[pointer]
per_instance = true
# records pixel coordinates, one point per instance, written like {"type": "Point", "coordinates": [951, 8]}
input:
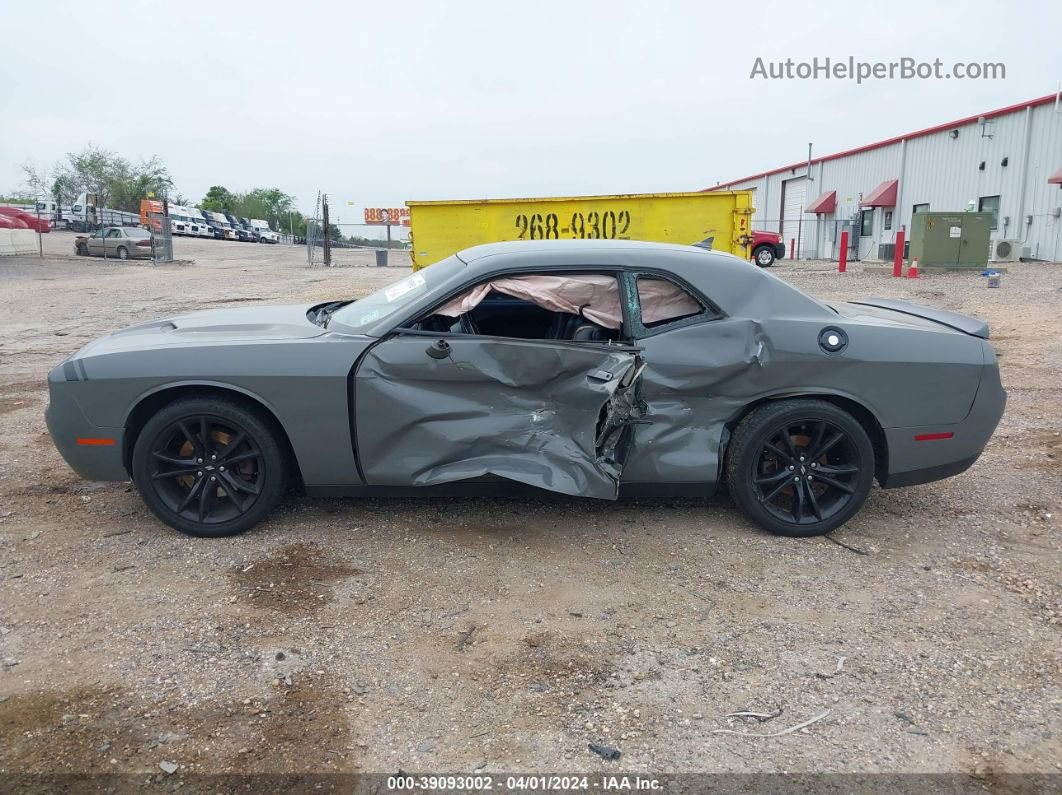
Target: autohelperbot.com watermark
{"type": "Point", "coordinates": [850, 68]}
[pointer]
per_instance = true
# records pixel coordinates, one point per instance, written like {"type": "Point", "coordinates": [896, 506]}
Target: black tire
{"type": "Point", "coordinates": [123, 252]}
{"type": "Point", "coordinates": [788, 473]}
{"type": "Point", "coordinates": [82, 250]}
{"type": "Point", "coordinates": [764, 256]}
{"type": "Point", "coordinates": [246, 490]}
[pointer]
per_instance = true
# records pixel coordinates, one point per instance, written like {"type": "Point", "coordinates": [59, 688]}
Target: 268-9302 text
{"type": "Point", "coordinates": [593, 225]}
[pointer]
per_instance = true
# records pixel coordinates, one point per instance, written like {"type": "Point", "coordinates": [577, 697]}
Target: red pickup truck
{"type": "Point", "coordinates": [766, 248]}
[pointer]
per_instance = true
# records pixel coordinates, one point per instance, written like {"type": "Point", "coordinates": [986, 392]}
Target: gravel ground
{"type": "Point", "coordinates": [504, 635]}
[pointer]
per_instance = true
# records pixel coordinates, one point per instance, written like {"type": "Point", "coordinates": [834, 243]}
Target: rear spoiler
{"type": "Point", "coordinates": [964, 323]}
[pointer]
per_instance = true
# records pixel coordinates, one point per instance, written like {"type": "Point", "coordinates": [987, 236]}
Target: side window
{"type": "Point", "coordinates": [662, 302]}
{"type": "Point", "coordinates": [990, 204]}
{"type": "Point", "coordinates": [114, 233]}
{"type": "Point", "coordinates": [577, 307]}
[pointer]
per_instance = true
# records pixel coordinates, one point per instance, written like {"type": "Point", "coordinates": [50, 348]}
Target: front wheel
{"type": "Point", "coordinates": [82, 250]}
{"type": "Point", "coordinates": [764, 256]}
{"type": "Point", "coordinates": [800, 467]}
{"type": "Point", "coordinates": [209, 467]}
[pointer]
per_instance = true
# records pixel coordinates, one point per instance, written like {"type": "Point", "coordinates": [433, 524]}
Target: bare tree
{"type": "Point", "coordinates": [37, 179]}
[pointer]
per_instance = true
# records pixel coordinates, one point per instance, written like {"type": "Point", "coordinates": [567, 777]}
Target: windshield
{"type": "Point", "coordinates": [393, 299]}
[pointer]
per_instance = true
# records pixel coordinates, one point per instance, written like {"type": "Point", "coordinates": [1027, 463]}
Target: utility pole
{"type": "Point", "coordinates": [327, 238]}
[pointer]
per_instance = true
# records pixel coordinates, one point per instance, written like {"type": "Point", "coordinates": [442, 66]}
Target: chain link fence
{"type": "Point", "coordinates": [356, 245]}
{"type": "Point", "coordinates": [812, 237]}
{"type": "Point", "coordinates": [161, 238]}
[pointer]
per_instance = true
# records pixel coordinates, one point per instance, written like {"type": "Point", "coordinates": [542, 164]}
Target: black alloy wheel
{"type": "Point", "coordinates": [209, 467]}
{"type": "Point", "coordinates": [800, 467]}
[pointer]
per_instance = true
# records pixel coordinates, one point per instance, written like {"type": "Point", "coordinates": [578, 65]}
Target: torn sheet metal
{"type": "Point", "coordinates": [529, 411]}
{"type": "Point", "coordinates": [694, 380]}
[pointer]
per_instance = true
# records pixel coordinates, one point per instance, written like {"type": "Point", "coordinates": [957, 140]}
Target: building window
{"type": "Point", "coordinates": [920, 208]}
{"type": "Point", "coordinates": [887, 225]}
{"type": "Point", "coordinates": [990, 204]}
{"type": "Point", "coordinates": [866, 222]}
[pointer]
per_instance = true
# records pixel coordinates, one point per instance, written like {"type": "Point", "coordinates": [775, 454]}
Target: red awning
{"type": "Point", "coordinates": [882, 196]}
{"type": "Point", "coordinates": [825, 204]}
{"type": "Point", "coordinates": [1056, 178]}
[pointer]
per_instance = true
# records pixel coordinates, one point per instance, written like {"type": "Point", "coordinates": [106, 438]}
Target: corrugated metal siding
{"type": "Point", "coordinates": [944, 172]}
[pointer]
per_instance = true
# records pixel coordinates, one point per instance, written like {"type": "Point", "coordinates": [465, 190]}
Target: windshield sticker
{"type": "Point", "coordinates": [407, 285]}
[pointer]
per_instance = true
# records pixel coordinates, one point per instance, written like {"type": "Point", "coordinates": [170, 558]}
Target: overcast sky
{"type": "Point", "coordinates": [382, 102]}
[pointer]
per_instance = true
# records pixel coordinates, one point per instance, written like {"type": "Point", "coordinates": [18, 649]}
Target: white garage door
{"type": "Point", "coordinates": [794, 200]}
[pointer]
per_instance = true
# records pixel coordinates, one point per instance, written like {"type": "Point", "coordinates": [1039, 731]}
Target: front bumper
{"type": "Point", "coordinates": [92, 451]}
{"type": "Point", "coordinates": [779, 250]}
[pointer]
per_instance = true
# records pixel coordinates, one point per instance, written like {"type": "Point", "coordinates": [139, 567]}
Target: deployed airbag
{"type": "Point", "coordinates": [594, 297]}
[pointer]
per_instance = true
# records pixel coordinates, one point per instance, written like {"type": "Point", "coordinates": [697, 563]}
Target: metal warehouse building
{"type": "Point", "coordinates": [1007, 162]}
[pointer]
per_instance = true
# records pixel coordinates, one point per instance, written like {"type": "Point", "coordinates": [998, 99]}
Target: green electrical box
{"type": "Point", "coordinates": [951, 240]}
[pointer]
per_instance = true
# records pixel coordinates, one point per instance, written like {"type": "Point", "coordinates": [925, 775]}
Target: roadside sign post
{"type": "Point", "coordinates": [386, 217]}
{"type": "Point", "coordinates": [327, 241]}
{"type": "Point", "coordinates": [40, 239]}
{"type": "Point", "coordinates": [387, 221]}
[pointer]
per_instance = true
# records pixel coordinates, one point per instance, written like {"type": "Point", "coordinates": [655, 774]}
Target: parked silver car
{"type": "Point", "coordinates": [120, 242]}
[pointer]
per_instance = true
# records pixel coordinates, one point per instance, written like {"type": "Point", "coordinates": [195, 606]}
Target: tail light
{"type": "Point", "coordinates": [144, 243]}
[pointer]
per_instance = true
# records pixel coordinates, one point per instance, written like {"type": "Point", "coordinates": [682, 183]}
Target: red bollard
{"type": "Point", "coordinates": [792, 248]}
{"type": "Point", "coordinates": [897, 259]}
{"type": "Point", "coordinates": [842, 262]}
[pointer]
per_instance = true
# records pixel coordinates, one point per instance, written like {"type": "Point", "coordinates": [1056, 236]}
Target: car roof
{"type": "Point", "coordinates": [474, 253]}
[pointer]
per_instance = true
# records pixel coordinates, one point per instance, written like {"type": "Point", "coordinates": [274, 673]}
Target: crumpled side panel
{"type": "Point", "coordinates": [526, 411]}
{"type": "Point", "coordinates": [694, 379]}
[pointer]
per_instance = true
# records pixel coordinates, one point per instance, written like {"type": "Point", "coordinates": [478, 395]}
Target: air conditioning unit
{"type": "Point", "coordinates": [1006, 250]}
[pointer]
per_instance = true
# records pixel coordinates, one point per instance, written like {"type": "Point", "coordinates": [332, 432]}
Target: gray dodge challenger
{"type": "Point", "coordinates": [592, 368]}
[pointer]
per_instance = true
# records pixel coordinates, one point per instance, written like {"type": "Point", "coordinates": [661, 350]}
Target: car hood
{"type": "Point", "coordinates": [212, 326]}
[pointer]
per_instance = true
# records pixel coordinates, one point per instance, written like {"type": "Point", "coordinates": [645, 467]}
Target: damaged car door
{"type": "Point", "coordinates": [551, 414]}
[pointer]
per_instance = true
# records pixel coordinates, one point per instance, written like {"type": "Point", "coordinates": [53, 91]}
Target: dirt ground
{"type": "Point", "coordinates": [504, 635]}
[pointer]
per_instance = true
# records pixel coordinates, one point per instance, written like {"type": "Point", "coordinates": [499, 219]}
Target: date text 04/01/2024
{"type": "Point", "coordinates": [531, 783]}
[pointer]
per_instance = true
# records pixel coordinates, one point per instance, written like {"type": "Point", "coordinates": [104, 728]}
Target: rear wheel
{"type": "Point", "coordinates": [764, 256]}
{"type": "Point", "coordinates": [800, 467]}
{"type": "Point", "coordinates": [209, 466]}
{"type": "Point", "coordinates": [123, 252]}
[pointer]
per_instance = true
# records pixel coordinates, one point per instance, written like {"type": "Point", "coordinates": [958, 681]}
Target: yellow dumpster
{"type": "Point", "coordinates": [441, 228]}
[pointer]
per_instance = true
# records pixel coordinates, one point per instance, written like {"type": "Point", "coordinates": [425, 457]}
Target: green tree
{"type": "Point", "coordinates": [117, 182]}
{"type": "Point", "coordinates": [134, 183]}
{"type": "Point", "coordinates": [218, 199]}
